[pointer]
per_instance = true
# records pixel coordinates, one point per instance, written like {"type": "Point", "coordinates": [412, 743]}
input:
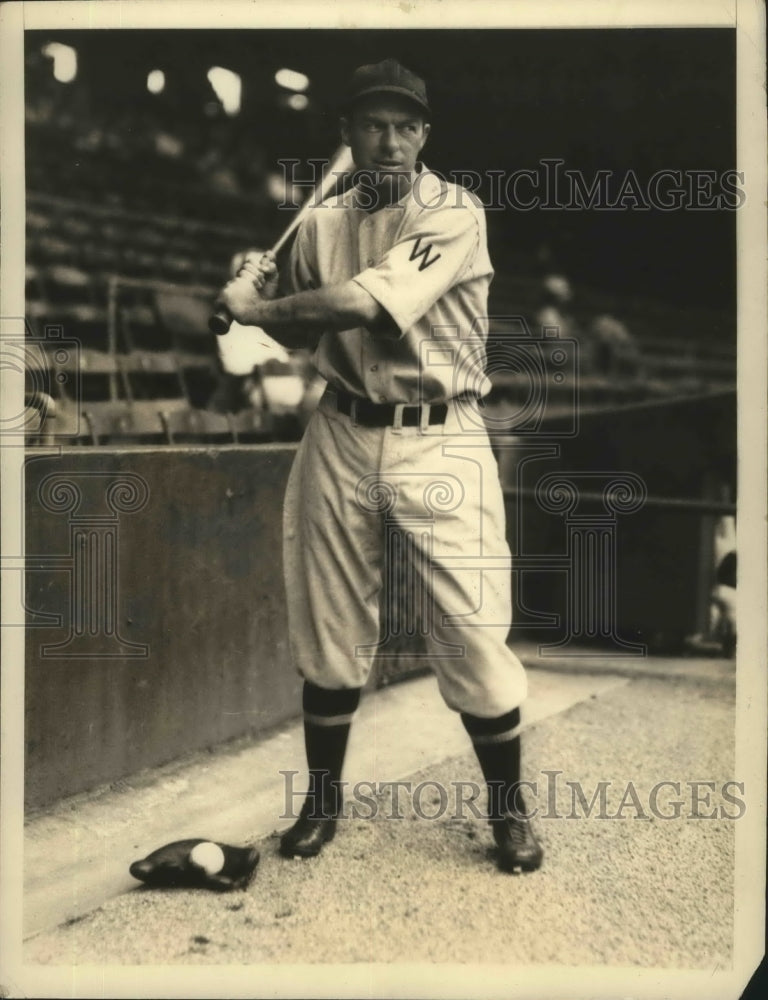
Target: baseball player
{"type": "Point", "coordinates": [389, 285]}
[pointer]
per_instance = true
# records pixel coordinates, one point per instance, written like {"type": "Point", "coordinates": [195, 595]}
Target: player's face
{"type": "Point", "coordinates": [386, 136]}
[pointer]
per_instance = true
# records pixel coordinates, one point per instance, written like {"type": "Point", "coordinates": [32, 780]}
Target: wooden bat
{"type": "Point", "coordinates": [341, 163]}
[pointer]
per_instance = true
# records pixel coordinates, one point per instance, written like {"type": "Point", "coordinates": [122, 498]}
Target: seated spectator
{"type": "Point", "coordinates": [554, 312]}
{"type": "Point", "coordinates": [720, 638]}
{"type": "Point", "coordinates": [615, 350]}
{"type": "Point", "coordinates": [723, 598]}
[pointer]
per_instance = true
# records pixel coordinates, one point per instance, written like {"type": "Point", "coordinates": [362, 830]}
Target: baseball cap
{"type": "Point", "coordinates": [387, 77]}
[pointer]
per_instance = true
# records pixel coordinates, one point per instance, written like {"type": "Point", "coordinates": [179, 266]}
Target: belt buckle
{"type": "Point", "coordinates": [424, 421]}
{"type": "Point", "coordinates": [397, 423]}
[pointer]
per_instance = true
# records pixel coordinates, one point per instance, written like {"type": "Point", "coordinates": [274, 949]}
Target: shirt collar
{"type": "Point", "coordinates": [425, 179]}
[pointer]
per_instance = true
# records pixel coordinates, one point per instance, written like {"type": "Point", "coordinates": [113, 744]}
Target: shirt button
{"type": "Point", "coordinates": [374, 368]}
{"type": "Point", "coordinates": [382, 399]}
{"type": "Point", "coordinates": [371, 262]}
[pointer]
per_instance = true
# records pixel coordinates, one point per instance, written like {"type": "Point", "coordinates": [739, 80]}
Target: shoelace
{"type": "Point", "coordinates": [518, 830]}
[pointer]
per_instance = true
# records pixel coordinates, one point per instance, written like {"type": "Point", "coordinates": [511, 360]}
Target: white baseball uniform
{"type": "Point", "coordinates": [360, 498]}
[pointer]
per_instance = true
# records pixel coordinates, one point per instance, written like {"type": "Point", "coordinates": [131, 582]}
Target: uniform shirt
{"type": "Point", "coordinates": [425, 260]}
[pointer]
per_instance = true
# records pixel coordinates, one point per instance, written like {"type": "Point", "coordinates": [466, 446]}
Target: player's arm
{"type": "Point", "coordinates": [437, 251]}
{"type": "Point", "coordinates": [299, 320]}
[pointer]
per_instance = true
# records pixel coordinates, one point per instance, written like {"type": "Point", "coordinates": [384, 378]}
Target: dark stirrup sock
{"type": "Point", "coordinates": [327, 719]}
{"type": "Point", "coordinates": [497, 745]}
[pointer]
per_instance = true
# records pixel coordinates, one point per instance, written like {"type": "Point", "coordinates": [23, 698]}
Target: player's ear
{"type": "Point", "coordinates": [425, 130]}
{"type": "Point", "coordinates": [345, 127]}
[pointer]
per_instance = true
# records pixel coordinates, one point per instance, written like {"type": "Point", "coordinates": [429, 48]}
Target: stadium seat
{"type": "Point", "coordinates": [65, 283]}
{"type": "Point", "coordinates": [214, 273]}
{"type": "Point", "coordinates": [252, 426]}
{"type": "Point", "coordinates": [75, 227]}
{"type": "Point", "coordinates": [100, 421]}
{"type": "Point", "coordinates": [139, 263]}
{"type": "Point", "coordinates": [184, 313]}
{"type": "Point", "coordinates": [99, 257]}
{"type": "Point", "coordinates": [112, 232]}
{"type": "Point", "coordinates": [199, 426]}
{"type": "Point", "coordinates": [38, 221]}
{"type": "Point", "coordinates": [153, 362]}
{"type": "Point", "coordinates": [144, 422]}
{"type": "Point", "coordinates": [137, 422]}
{"type": "Point", "coordinates": [139, 328]}
{"type": "Point", "coordinates": [149, 236]}
{"type": "Point", "coordinates": [98, 362]}
{"type": "Point", "coordinates": [37, 310]}
{"type": "Point", "coordinates": [186, 244]}
{"type": "Point", "coordinates": [177, 266]}
{"type": "Point", "coordinates": [83, 321]}
{"type": "Point", "coordinates": [153, 384]}
{"type": "Point", "coordinates": [46, 248]}
{"type": "Point", "coordinates": [33, 286]}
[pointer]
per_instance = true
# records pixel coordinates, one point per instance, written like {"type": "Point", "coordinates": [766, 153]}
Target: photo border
{"type": "Point", "coordinates": [426, 980]}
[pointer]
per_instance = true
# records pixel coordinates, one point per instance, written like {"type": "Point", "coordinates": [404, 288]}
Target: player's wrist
{"type": "Point", "coordinates": [254, 313]}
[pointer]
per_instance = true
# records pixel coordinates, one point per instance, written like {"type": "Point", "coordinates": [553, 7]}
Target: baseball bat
{"type": "Point", "coordinates": [220, 320]}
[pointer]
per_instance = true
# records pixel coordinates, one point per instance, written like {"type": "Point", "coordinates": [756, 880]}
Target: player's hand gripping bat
{"type": "Point", "coordinates": [341, 163]}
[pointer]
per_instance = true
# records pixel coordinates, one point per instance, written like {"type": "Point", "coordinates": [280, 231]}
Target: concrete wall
{"type": "Point", "coordinates": [198, 575]}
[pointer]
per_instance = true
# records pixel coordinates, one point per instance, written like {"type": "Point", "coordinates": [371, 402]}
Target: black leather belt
{"type": "Point", "coordinates": [369, 414]}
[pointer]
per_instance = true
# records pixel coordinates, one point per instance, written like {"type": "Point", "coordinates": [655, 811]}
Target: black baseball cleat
{"type": "Point", "coordinates": [518, 850]}
{"type": "Point", "coordinates": [309, 834]}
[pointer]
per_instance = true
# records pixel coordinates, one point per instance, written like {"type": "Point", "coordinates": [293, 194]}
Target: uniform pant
{"type": "Point", "coordinates": [415, 508]}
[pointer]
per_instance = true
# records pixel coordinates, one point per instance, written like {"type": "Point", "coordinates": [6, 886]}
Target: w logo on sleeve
{"type": "Point", "coordinates": [417, 253]}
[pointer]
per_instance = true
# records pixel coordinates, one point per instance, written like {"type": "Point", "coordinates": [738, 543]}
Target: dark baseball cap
{"type": "Point", "coordinates": [387, 77]}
